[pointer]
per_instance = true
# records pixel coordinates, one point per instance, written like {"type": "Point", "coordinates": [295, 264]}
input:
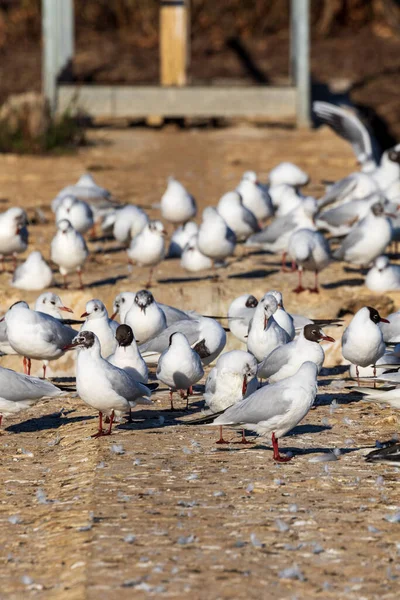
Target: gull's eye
{"type": "Point", "coordinates": [122, 299]}
{"type": "Point", "coordinates": [52, 302]}
{"type": "Point", "coordinates": [96, 308]}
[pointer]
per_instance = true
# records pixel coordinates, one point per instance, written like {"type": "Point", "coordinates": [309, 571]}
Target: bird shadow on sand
{"type": "Point", "coordinates": [187, 279]}
{"type": "Point", "coordinates": [111, 250]}
{"type": "Point", "coordinates": [327, 399]}
{"type": "Point", "coordinates": [45, 422]}
{"type": "Point", "coordinates": [358, 270]}
{"type": "Point", "coordinates": [107, 281]}
{"type": "Point", "coordinates": [342, 282]}
{"type": "Point", "coordinates": [255, 274]}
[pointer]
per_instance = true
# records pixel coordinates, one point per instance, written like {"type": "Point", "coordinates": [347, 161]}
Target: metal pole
{"type": "Point", "coordinates": [301, 58]}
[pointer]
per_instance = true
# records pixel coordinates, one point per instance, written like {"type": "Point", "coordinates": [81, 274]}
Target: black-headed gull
{"type": "Point", "coordinates": [127, 356]}
{"type": "Point", "coordinates": [77, 212]}
{"type": "Point", "coordinates": [35, 335]}
{"type": "Point", "coordinates": [264, 332]}
{"type": "Point", "coordinates": [19, 392]}
{"type": "Point", "coordinates": [233, 378]}
{"type": "Point", "coordinates": [240, 312]}
{"type": "Point", "coordinates": [148, 247]}
{"type": "Point", "coordinates": [101, 385]}
{"type": "Point", "coordinates": [177, 205]}
{"type": "Point", "coordinates": [128, 222]}
{"type": "Point", "coordinates": [362, 341]}
{"type": "Point", "coordinates": [33, 274]}
{"type": "Point", "coordinates": [275, 409]}
{"type": "Point", "coordinates": [215, 239]}
{"type": "Point", "coordinates": [181, 236]}
{"type": "Point", "coordinates": [383, 276]}
{"type": "Point", "coordinates": [285, 360]}
{"type": "Point", "coordinates": [310, 251]}
{"type": "Point", "coordinates": [255, 196]}
{"type": "Point", "coordinates": [98, 321]}
{"type": "Point", "coordinates": [68, 250]}
{"type": "Point", "coordinates": [204, 334]}
{"type": "Point", "coordinates": [238, 217]}
{"type": "Point", "coordinates": [145, 317]}
{"type": "Point", "coordinates": [179, 367]}
{"type": "Point", "coordinates": [13, 232]}
{"type": "Point", "coordinates": [192, 259]}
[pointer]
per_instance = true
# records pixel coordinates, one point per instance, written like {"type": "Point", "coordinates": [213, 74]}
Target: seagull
{"type": "Point", "coordinates": [368, 239]}
{"type": "Point", "coordinates": [340, 219]}
{"type": "Point", "coordinates": [383, 276]}
{"type": "Point", "coordinates": [148, 247]}
{"type": "Point", "coordinates": [99, 323]}
{"type": "Point", "coordinates": [127, 356]}
{"type": "Point", "coordinates": [101, 385]}
{"type": "Point", "coordinates": [179, 367]}
{"type": "Point", "coordinates": [283, 318]}
{"type": "Point", "coordinates": [287, 173]}
{"type": "Point", "coordinates": [19, 392]}
{"type": "Point", "coordinates": [285, 198]}
{"type": "Point", "coordinates": [36, 335]}
{"type": "Point", "coordinates": [382, 396]}
{"type": "Point", "coordinates": [145, 317]}
{"type": "Point", "coordinates": [275, 409]}
{"type": "Point", "coordinates": [264, 332]}
{"type": "Point", "coordinates": [177, 205]}
{"type": "Point", "coordinates": [237, 216]}
{"type": "Point", "coordinates": [310, 251]}
{"type": "Point", "coordinates": [51, 304]}
{"type": "Point", "coordinates": [362, 341]}
{"type": "Point", "coordinates": [181, 236]}
{"type": "Point", "coordinates": [129, 221]}
{"type": "Point", "coordinates": [77, 212]}
{"type": "Point", "coordinates": [233, 378]}
{"type": "Point", "coordinates": [33, 274]}
{"type": "Point", "coordinates": [124, 301]}
{"type": "Point", "coordinates": [192, 259]}
{"type": "Point", "coordinates": [204, 335]}
{"type": "Point", "coordinates": [13, 233]}
{"type": "Point", "coordinates": [215, 239]}
{"type": "Point", "coordinates": [390, 328]}
{"type": "Point", "coordinates": [255, 196]}
{"type": "Point", "coordinates": [285, 360]}
{"type": "Point", "coordinates": [240, 313]}
{"type": "Point", "coordinates": [68, 250]}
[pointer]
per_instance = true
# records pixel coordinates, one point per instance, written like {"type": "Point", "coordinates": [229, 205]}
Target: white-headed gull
{"type": "Point", "coordinates": [148, 247]}
{"type": "Point", "coordinates": [68, 250]}
{"type": "Point", "coordinates": [13, 232]}
{"type": "Point", "coordinates": [285, 360]}
{"type": "Point", "coordinates": [362, 341]}
{"type": "Point", "coordinates": [390, 328]}
{"type": "Point", "coordinates": [215, 239]}
{"type": "Point", "coordinates": [192, 259]}
{"type": "Point", "coordinates": [177, 205]}
{"type": "Point", "coordinates": [238, 217]}
{"type": "Point", "coordinates": [127, 356]}
{"type": "Point", "coordinates": [310, 251]}
{"type": "Point", "coordinates": [101, 385]}
{"type": "Point", "coordinates": [275, 409]}
{"type": "Point", "coordinates": [240, 312]}
{"type": "Point", "coordinates": [19, 392]}
{"type": "Point", "coordinates": [129, 221]}
{"type": "Point", "coordinates": [77, 212]}
{"type": "Point", "coordinates": [51, 304]}
{"type": "Point", "coordinates": [179, 367]}
{"type": "Point", "coordinates": [383, 276]}
{"type": "Point", "coordinates": [35, 335]}
{"type": "Point", "coordinates": [98, 321]}
{"type": "Point", "coordinates": [287, 173]}
{"type": "Point", "coordinates": [124, 301]}
{"type": "Point", "coordinates": [33, 274]}
{"type": "Point", "coordinates": [181, 237]}
{"type": "Point", "coordinates": [255, 196]}
{"type": "Point", "coordinates": [145, 317]}
{"type": "Point", "coordinates": [264, 332]}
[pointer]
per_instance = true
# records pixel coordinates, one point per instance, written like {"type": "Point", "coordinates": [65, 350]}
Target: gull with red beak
{"type": "Point", "coordinates": [285, 360]}
{"type": "Point", "coordinates": [264, 332]}
{"type": "Point", "coordinates": [103, 386]}
{"type": "Point", "coordinates": [362, 341]}
{"type": "Point", "coordinates": [68, 250]}
{"type": "Point", "coordinates": [148, 247]}
{"type": "Point", "coordinates": [98, 321]}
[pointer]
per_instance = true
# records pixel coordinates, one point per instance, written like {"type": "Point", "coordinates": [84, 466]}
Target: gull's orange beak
{"type": "Point", "coordinates": [85, 314]}
{"type": "Point", "coordinates": [66, 309]}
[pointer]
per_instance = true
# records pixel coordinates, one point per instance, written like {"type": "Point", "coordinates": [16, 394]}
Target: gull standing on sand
{"type": "Point", "coordinates": [215, 239]}
{"type": "Point", "coordinates": [148, 247]}
{"type": "Point", "coordinates": [237, 216]}
{"type": "Point", "coordinates": [264, 332]}
{"type": "Point", "coordinates": [68, 250]}
{"type": "Point", "coordinates": [240, 313]}
{"type": "Point", "coordinates": [127, 356]}
{"type": "Point", "coordinates": [192, 259]}
{"type": "Point", "coordinates": [145, 317]}
{"type": "Point", "coordinates": [99, 323]}
{"type": "Point", "coordinates": [33, 274]}
{"type": "Point", "coordinates": [181, 237]}
{"type": "Point", "coordinates": [129, 221]}
{"type": "Point", "coordinates": [124, 301]}
{"type": "Point", "coordinates": [179, 367]}
{"type": "Point", "coordinates": [77, 212]}
{"type": "Point", "coordinates": [310, 251]}
{"type": "Point", "coordinates": [383, 277]}
{"type": "Point", "coordinates": [275, 409]}
{"type": "Point", "coordinates": [177, 205]}
{"type": "Point", "coordinates": [13, 233]}
{"type": "Point", "coordinates": [362, 341]}
{"type": "Point", "coordinates": [102, 386]}
{"type": "Point", "coordinates": [255, 196]}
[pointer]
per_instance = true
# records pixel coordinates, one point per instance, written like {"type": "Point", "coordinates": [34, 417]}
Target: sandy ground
{"type": "Point", "coordinates": [158, 508]}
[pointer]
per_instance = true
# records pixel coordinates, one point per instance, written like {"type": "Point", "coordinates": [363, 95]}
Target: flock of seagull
{"type": "Point", "coordinates": [269, 386]}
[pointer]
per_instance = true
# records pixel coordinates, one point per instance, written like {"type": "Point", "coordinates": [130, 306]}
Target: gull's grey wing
{"type": "Point", "coordinates": [54, 332]}
{"type": "Point", "coordinates": [251, 220]}
{"type": "Point", "coordinates": [264, 404]}
{"type": "Point", "coordinates": [190, 328]}
{"type": "Point", "coordinates": [347, 126]}
{"type": "Point", "coordinates": [230, 235]}
{"type": "Point", "coordinates": [338, 191]}
{"type": "Point", "coordinates": [355, 236]}
{"type": "Point", "coordinates": [274, 361]}
{"type": "Point", "coordinates": [272, 232]}
{"type": "Point", "coordinates": [341, 215]}
{"type": "Point", "coordinates": [17, 387]}
{"type": "Point", "coordinates": [123, 384]}
{"type": "Point", "coordinates": [172, 314]}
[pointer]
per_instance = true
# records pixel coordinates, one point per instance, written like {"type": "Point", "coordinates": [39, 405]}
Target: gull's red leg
{"type": "Point", "coordinates": [299, 288]}
{"type": "Point", "coordinates": [100, 431]}
{"type": "Point", "coordinates": [315, 289]}
{"type": "Point", "coordinates": [278, 457]}
{"type": "Point", "coordinates": [221, 439]}
{"type": "Point", "coordinates": [170, 399]}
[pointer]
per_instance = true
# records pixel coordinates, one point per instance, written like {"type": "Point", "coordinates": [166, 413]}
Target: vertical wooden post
{"type": "Point", "coordinates": [174, 42]}
{"type": "Point", "coordinates": [300, 58]}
